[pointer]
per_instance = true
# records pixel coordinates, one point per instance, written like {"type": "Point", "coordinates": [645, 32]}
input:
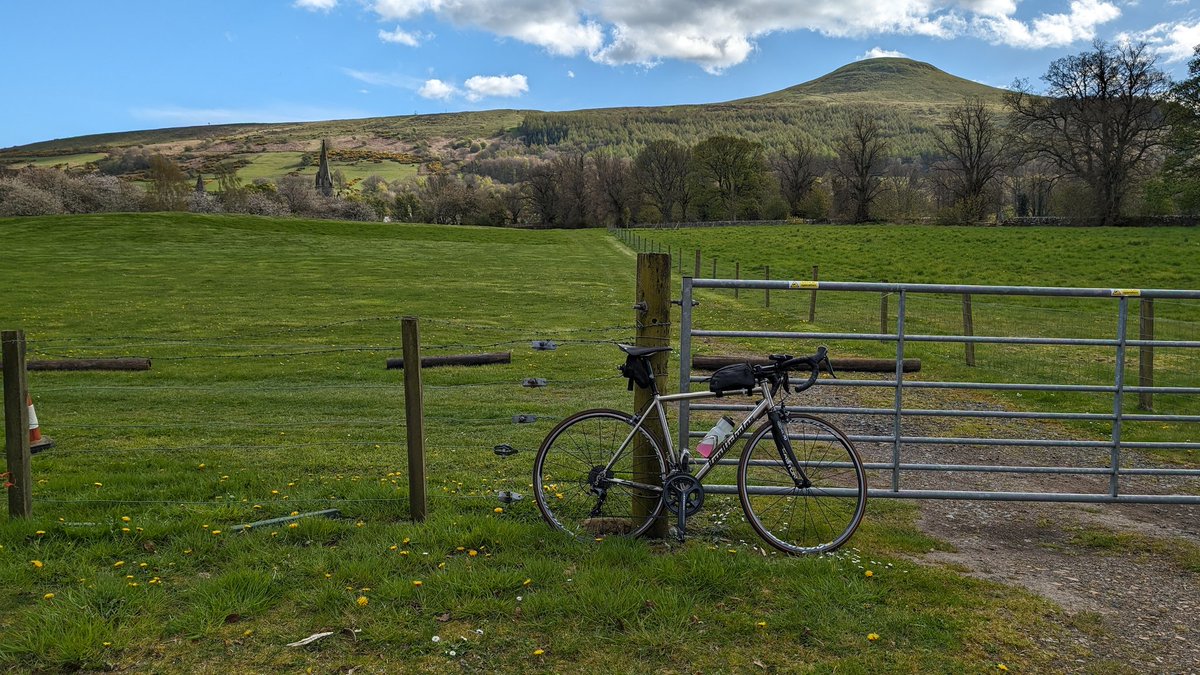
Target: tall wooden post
{"type": "Point", "coordinates": [714, 274]}
{"type": "Point", "coordinates": [697, 275]}
{"type": "Point", "coordinates": [414, 417]}
{"type": "Point", "coordinates": [653, 330]}
{"type": "Point", "coordinates": [767, 291]}
{"type": "Point", "coordinates": [737, 274]}
{"type": "Point", "coordinates": [812, 298]}
{"type": "Point", "coordinates": [1146, 353]}
{"type": "Point", "coordinates": [16, 424]}
{"type": "Point", "coordinates": [968, 328]}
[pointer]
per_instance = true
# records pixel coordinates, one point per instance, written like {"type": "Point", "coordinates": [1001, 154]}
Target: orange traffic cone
{"type": "Point", "coordinates": [37, 442]}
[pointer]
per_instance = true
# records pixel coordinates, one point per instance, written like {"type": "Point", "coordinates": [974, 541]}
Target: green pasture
{"type": "Point", "coordinates": [275, 165]}
{"type": "Point", "coordinates": [55, 161]}
{"type": "Point", "coordinates": [268, 395]}
{"type": "Point", "coordinates": [1123, 258]}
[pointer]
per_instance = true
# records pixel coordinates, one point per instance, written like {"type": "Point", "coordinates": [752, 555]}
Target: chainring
{"type": "Point", "coordinates": [685, 486]}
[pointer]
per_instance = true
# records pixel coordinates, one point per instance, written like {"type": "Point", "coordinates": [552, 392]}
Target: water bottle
{"type": "Point", "coordinates": [715, 437]}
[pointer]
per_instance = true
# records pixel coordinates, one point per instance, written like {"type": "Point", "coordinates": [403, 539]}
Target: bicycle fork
{"type": "Point", "coordinates": [784, 445]}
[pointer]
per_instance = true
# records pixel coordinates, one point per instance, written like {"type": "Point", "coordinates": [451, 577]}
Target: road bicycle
{"type": "Point", "coordinates": [799, 480]}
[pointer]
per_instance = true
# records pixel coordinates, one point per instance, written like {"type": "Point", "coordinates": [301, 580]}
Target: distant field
{"type": "Point", "coordinates": [1076, 257]}
{"type": "Point", "coordinates": [268, 395]}
{"type": "Point", "coordinates": [59, 160]}
{"type": "Point", "coordinates": [274, 165]}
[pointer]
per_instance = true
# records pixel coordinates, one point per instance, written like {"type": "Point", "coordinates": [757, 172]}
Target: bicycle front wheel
{"type": "Point", "coordinates": [791, 515]}
{"type": "Point", "coordinates": [584, 477]}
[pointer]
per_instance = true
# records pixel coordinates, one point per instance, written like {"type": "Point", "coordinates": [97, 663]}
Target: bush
{"type": "Point", "coordinates": [259, 204]}
{"type": "Point", "coordinates": [202, 202]}
{"type": "Point", "coordinates": [20, 199]}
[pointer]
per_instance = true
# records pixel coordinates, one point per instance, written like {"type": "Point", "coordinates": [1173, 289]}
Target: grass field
{"type": "Point", "coordinates": [1071, 257]}
{"type": "Point", "coordinates": [268, 395]}
{"type": "Point", "coordinates": [58, 160]}
{"type": "Point", "coordinates": [275, 165]}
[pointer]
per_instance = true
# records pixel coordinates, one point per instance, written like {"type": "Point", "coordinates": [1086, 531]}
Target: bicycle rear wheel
{"type": "Point", "coordinates": [578, 491]}
{"type": "Point", "coordinates": [796, 519]}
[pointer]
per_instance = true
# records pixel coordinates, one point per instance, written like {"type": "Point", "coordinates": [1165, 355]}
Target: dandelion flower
{"type": "Point", "coordinates": [248, 632]}
{"type": "Point", "coordinates": [872, 636]}
{"type": "Point", "coordinates": [869, 573]}
{"type": "Point", "coordinates": [98, 484]}
{"type": "Point", "coordinates": [1002, 667]}
{"type": "Point", "coordinates": [472, 553]}
{"type": "Point", "coordinates": [362, 601]}
{"type": "Point", "coordinates": [293, 525]}
{"type": "Point", "coordinates": [201, 467]}
{"type": "Point", "coordinates": [48, 596]}
{"type": "Point", "coordinates": [126, 530]}
{"type": "Point", "coordinates": [406, 540]}
{"type": "Point", "coordinates": [36, 563]}
{"type": "Point", "coordinates": [295, 513]}
{"type": "Point", "coordinates": [498, 509]}
{"type": "Point", "coordinates": [441, 565]}
{"type": "Point", "coordinates": [216, 532]}
{"type": "Point", "coordinates": [393, 547]}
{"type": "Point", "coordinates": [527, 582]}
{"type": "Point", "coordinates": [761, 624]}
{"type": "Point", "coordinates": [418, 583]}
{"type": "Point", "coordinates": [539, 652]}
{"type": "Point", "coordinates": [119, 563]}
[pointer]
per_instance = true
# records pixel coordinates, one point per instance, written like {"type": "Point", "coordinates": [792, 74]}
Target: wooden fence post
{"type": "Point", "coordinates": [1146, 353]}
{"type": "Point", "coordinates": [968, 328]}
{"type": "Point", "coordinates": [414, 417]}
{"type": "Point", "coordinates": [697, 275]}
{"type": "Point", "coordinates": [767, 291]}
{"type": "Point", "coordinates": [16, 424]}
{"type": "Point", "coordinates": [714, 274]}
{"type": "Point", "coordinates": [653, 330]}
{"type": "Point", "coordinates": [737, 274]}
{"type": "Point", "coordinates": [812, 298]}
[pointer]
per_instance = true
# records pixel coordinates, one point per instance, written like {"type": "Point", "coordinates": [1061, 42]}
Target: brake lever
{"type": "Point", "coordinates": [828, 366]}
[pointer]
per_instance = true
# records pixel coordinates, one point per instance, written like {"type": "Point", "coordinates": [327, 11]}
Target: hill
{"type": "Point", "coordinates": [910, 97]}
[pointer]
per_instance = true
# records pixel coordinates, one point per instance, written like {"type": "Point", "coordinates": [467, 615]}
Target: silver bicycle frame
{"type": "Point", "coordinates": [674, 457]}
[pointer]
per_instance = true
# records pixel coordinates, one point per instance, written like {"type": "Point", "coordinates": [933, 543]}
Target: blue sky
{"type": "Point", "coordinates": [76, 67]}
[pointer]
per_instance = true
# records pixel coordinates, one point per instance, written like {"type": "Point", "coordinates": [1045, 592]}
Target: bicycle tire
{"type": "Point", "coordinates": [772, 502]}
{"type": "Point", "coordinates": [565, 462]}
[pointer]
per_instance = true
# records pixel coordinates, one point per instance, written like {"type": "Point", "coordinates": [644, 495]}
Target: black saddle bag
{"type": "Point", "coordinates": [638, 370]}
{"type": "Point", "coordinates": [732, 378]}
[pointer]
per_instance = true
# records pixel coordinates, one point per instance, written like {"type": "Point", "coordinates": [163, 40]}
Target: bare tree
{"type": "Point", "coordinates": [974, 158]}
{"type": "Point", "coordinates": [1099, 120]}
{"type": "Point", "coordinates": [861, 153]}
{"type": "Point", "coordinates": [543, 192]}
{"type": "Point", "coordinates": [796, 168]}
{"type": "Point", "coordinates": [612, 178]}
{"type": "Point", "coordinates": [168, 187]}
{"type": "Point", "coordinates": [571, 171]}
{"type": "Point", "coordinates": [661, 173]}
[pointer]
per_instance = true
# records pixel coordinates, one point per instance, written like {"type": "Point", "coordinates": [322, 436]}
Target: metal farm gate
{"type": "Point", "coordinates": [1064, 352]}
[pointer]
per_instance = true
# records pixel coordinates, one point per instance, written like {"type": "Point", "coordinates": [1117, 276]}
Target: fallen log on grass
{"type": "Point", "coordinates": [455, 360]}
{"type": "Point", "coordinates": [121, 363]}
{"type": "Point", "coordinates": [849, 364]}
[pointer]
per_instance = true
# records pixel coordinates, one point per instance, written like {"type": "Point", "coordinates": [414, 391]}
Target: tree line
{"type": "Point", "coordinates": [1109, 136]}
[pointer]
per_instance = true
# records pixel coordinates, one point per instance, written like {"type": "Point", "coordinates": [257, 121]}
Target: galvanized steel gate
{"type": "Point", "coordinates": [1185, 481]}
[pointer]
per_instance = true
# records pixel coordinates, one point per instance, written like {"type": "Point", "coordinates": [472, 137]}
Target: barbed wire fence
{"type": "Point", "coordinates": [308, 416]}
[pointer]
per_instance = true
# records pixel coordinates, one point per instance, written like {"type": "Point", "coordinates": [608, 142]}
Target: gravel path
{"type": "Point", "coordinates": [1128, 608]}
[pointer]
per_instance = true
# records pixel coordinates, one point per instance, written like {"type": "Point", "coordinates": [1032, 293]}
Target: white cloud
{"type": "Point", "coordinates": [436, 89]}
{"type": "Point", "coordinates": [1174, 42]}
{"type": "Point", "coordinates": [879, 53]}
{"type": "Point", "coordinates": [316, 5]}
{"type": "Point", "coordinates": [486, 86]}
{"type": "Point", "coordinates": [571, 74]}
{"type": "Point", "coordinates": [383, 79]}
{"type": "Point", "coordinates": [717, 34]}
{"type": "Point", "coordinates": [1051, 30]}
{"type": "Point", "coordinates": [402, 37]}
{"type": "Point", "coordinates": [181, 115]}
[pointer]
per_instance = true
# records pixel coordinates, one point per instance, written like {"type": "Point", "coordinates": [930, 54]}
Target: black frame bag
{"type": "Point", "coordinates": [733, 377]}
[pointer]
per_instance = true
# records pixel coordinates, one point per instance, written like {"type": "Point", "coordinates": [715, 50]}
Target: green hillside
{"type": "Point", "coordinates": [910, 97]}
